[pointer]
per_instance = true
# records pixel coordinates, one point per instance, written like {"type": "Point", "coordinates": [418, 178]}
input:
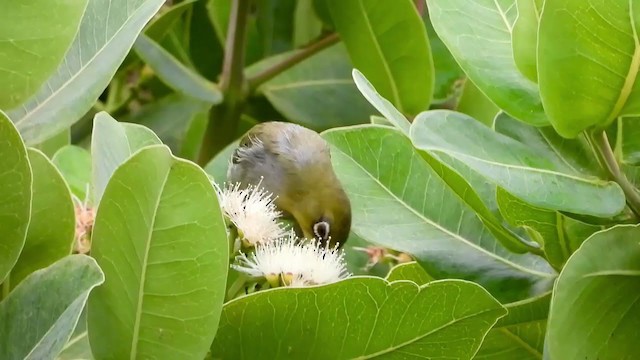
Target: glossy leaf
{"type": "Point", "coordinates": [525, 37]}
{"type": "Point", "coordinates": [519, 335]}
{"type": "Point", "coordinates": [15, 192]}
{"type": "Point", "coordinates": [34, 37]}
{"type": "Point", "coordinates": [78, 347]}
{"type": "Point", "coordinates": [160, 239]}
{"type": "Point", "coordinates": [107, 32]}
{"type": "Point", "coordinates": [411, 271]}
{"type": "Point", "coordinates": [39, 316]}
{"type": "Point", "coordinates": [112, 143]}
{"type": "Point", "coordinates": [380, 103]}
{"type": "Point", "coordinates": [53, 222]}
{"type": "Point", "coordinates": [319, 92]}
{"type": "Point", "coordinates": [398, 319]}
{"type": "Point", "coordinates": [74, 163]}
{"type": "Point", "coordinates": [175, 74]}
{"type": "Point", "coordinates": [388, 43]}
{"type": "Point", "coordinates": [595, 311]}
{"type": "Point", "coordinates": [399, 201]}
{"type": "Point", "coordinates": [478, 34]}
{"type": "Point", "coordinates": [542, 181]}
{"type": "Point", "coordinates": [598, 38]}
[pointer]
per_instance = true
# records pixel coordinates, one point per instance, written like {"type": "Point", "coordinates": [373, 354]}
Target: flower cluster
{"type": "Point", "coordinates": [288, 262]}
{"type": "Point", "coordinates": [271, 252]}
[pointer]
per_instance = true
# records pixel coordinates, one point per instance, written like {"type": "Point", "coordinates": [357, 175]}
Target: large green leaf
{"type": "Point", "coordinates": [595, 312]}
{"type": "Point", "coordinates": [53, 222]}
{"type": "Point", "coordinates": [519, 335]}
{"type": "Point", "coordinates": [112, 143]}
{"type": "Point", "coordinates": [34, 37]}
{"type": "Point", "coordinates": [174, 74]}
{"type": "Point", "coordinates": [39, 316]}
{"type": "Point", "coordinates": [542, 181]}
{"type": "Point", "coordinates": [361, 317]}
{"type": "Point", "coordinates": [74, 163]}
{"type": "Point", "coordinates": [15, 192]}
{"type": "Point", "coordinates": [598, 38]}
{"type": "Point", "coordinates": [475, 104]}
{"type": "Point", "coordinates": [400, 202]}
{"type": "Point", "coordinates": [388, 42]}
{"type": "Point", "coordinates": [478, 34]}
{"type": "Point", "coordinates": [160, 239]}
{"type": "Point", "coordinates": [411, 271]}
{"type": "Point", "coordinates": [107, 32]}
{"type": "Point", "coordinates": [78, 347]}
{"type": "Point", "coordinates": [525, 37]}
{"type": "Point", "coordinates": [558, 235]}
{"type": "Point", "coordinates": [319, 92]}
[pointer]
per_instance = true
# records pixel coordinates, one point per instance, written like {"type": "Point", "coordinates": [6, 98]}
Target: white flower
{"type": "Point", "coordinates": [286, 262]}
{"type": "Point", "coordinates": [253, 213]}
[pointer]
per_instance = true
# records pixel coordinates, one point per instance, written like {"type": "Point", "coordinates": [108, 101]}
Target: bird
{"type": "Point", "coordinates": [294, 164]}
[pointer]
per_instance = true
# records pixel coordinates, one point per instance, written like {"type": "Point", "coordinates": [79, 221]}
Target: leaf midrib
{"type": "Point", "coordinates": [387, 70]}
{"type": "Point", "coordinates": [446, 231]}
{"type": "Point", "coordinates": [136, 326]}
{"type": "Point", "coordinates": [431, 332]}
{"type": "Point", "coordinates": [30, 112]}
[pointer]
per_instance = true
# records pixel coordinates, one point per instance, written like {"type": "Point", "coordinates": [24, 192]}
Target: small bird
{"type": "Point", "coordinates": [294, 164]}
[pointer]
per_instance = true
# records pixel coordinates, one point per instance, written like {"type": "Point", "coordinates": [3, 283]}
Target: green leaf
{"type": "Point", "coordinates": [15, 192]}
{"type": "Point", "coordinates": [396, 320]}
{"type": "Point", "coordinates": [34, 37]}
{"type": "Point", "coordinates": [542, 181]}
{"type": "Point", "coordinates": [598, 38]}
{"type": "Point", "coordinates": [525, 37]}
{"type": "Point", "coordinates": [475, 104]}
{"type": "Point", "coordinates": [170, 118]}
{"type": "Point", "coordinates": [53, 221]}
{"type": "Point", "coordinates": [594, 310]}
{"type": "Point", "coordinates": [50, 146]}
{"type": "Point", "coordinates": [388, 42]}
{"type": "Point", "coordinates": [478, 34]}
{"type": "Point", "coordinates": [380, 103]}
{"type": "Point", "coordinates": [112, 143]}
{"type": "Point", "coordinates": [74, 163]}
{"type": "Point", "coordinates": [107, 32]}
{"type": "Point", "coordinates": [39, 316]}
{"type": "Point", "coordinates": [400, 202]}
{"type": "Point", "coordinates": [161, 25]}
{"type": "Point", "coordinates": [78, 347]}
{"type": "Point", "coordinates": [161, 241]}
{"type": "Point", "coordinates": [411, 271]}
{"type": "Point", "coordinates": [519, 335]}
{"type": "Point", "coordinates": [447, 70]}
{"type": "Point", "coordinates": [307, 26]}
{"type": "Point", "coordinates": [319, 92]}
{"type": "Point", "coordinates": [174, 74]}
{"type": "Point", "coordinates": [558, 235]}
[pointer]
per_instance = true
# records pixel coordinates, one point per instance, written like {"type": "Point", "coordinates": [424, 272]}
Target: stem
{"type": "Point", "coordinates": [237, 285]}
{"type": "Point", "coordinates": [607, 156]}
{"type": "Point", "coordinates": [232, 77]}
{"type": "Point", "coordinates": [300, 55]}
{"type": "Point", "coordinates": [224, 118]}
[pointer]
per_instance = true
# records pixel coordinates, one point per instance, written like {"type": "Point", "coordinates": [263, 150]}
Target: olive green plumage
{"type": "Point", "coordinates": [294, 163]}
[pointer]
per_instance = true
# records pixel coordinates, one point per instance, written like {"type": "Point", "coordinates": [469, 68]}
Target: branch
{"type": "Point", "coordinates": [232, 77]}
{"type": "Point", "coordinates": [300, 55]}
{"type": "Point", "coordinates": [601, 143]}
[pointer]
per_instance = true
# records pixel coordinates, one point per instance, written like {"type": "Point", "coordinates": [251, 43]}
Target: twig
{"type": "Point", "coordinates": [300, 55]}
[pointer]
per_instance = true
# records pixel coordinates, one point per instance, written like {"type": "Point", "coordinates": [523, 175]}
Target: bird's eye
{"type": "Point", "coordinates": [321, 230]}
